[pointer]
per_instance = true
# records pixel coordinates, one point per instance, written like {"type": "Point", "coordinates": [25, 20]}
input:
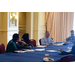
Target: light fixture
{"type": "Point", "coordinates": [14, 15]}
{"type": "Point", "coordinates": [10, 17]}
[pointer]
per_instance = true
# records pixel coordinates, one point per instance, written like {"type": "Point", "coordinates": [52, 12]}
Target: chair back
{"type": "Point", "coordinates": [2, 48]}
{"type": "Point", "coordinates": [68, 58]}
{"type": "Point", "coordinates": [33, 42]}
{"type": "Point", "coordinates": [40, 42]}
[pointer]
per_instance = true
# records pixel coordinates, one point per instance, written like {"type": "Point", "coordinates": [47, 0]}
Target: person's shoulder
{"type": "Point", "coordinates": [69, 37]}
{"type": "Point", "coordinates": [10, 42]}
{"type": "Point", "coordinates": [49, 37]}
{"type": "Point", "coordinates": [43, 37]}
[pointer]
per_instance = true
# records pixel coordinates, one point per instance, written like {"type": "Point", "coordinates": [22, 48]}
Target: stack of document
{"type": "Point", "coordinates": [39, 49]}
{"type": "Point", "coordinates": [29, 50]}
{"type": "Point", "coordinates": [20, 51]}
{"type": "Point", "coordinates": [51, 51]}
{"type": "Point", "coordinates": [24, 50]}
{"type": "Point", "coordinates": [41, 46]}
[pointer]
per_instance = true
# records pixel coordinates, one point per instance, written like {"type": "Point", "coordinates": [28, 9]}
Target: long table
{"type": "Point", "coordinates": [35, 56]}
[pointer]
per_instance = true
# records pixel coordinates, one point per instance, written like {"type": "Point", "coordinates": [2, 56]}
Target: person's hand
{"type": "Point", "coordinates": [24, 43]}
{"type": "Point", "coordinates": [46, 44]}
{"type": "Point", "coordinates": [51, 43]}
{"type": "Point", "coordinates": [28, 47]}
{"type": "Point", "coordinates": [61, 50]}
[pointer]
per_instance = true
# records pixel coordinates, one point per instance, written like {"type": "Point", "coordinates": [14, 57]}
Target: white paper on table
{"type": "Point", "coordinates": [51, 51]}
{"type": "Point", "coordinates": [59, 44]}
{"type": "Point", "coordinates": [41, 46]}
{"type": "Point", "coordinates": [27, 50]}
{"type": "Point", "coordinates": [30, 50]}
{"type": "Point", "coordinates": [68, 51]}
{"type": "Point", "coordinates": [39, 49]}
{"type": "Point", "coordinates": [20, 51]}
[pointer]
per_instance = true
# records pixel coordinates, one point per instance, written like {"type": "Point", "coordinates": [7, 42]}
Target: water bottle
{"type": "Point", "coordinates": [64, 40]}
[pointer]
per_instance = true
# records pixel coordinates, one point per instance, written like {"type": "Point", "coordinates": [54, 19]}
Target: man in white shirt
{"type": "Point", "coordinates": [47, 40]}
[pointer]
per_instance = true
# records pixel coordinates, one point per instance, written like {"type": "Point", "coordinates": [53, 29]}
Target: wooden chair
{"type": "Point", "coordinates": [33, 42]}
{"type": "Point", "coordinates": [40, 42]}
{"type": "Point", "coordinates": [67, 58]}
{"type": "Point", "coordinates": [2, 48]}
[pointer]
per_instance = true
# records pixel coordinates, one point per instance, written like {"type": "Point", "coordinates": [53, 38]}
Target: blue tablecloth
{"type": "Point", "coordinates": [34, 56]}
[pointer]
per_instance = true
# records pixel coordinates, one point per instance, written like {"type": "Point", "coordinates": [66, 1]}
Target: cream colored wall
{"type": "Point", "coordinates": [42, 27]}
{"type": "Point", "coordinates": [38, 26]}
{"type": "Point", "coordinates": [29, 24]}
{"type": "Point", "coordinates": [35, 25]}
{"type": "Point", "coordinates": [3, 28]}
{"type": "Point", "coordinates": [22, 23]}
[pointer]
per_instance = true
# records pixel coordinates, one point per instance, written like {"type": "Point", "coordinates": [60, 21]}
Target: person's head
{"type": "Point", "coordinates": [47, 34]}
{"type": "Point", "coordinates": [72, 33]}
{"type": "Point", "coordinates": [25, 36]}
{"type": "Point", "coordinates": [15, 37]}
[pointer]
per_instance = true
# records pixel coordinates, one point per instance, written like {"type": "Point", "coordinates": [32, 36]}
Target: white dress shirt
{"type": "Point", "coordinates": [45, 40]}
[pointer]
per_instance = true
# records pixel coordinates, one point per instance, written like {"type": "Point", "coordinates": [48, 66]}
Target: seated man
{"type": "Point", "coordinates": [47, 40]}
{"type": "Point", "coordinates": [12, 45]}
{"type": "Point", "coordinates": [71, 38]}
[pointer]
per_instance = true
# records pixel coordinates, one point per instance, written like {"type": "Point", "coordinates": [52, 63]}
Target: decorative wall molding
{"type": "Point", "coordinates": [41, 28]}
{"type": "Point", "coordinates": [8, 30]}
{"type": "Point", "coordinates": [22, 28]}
{"type": "Point", "coordinates": [3, 30]}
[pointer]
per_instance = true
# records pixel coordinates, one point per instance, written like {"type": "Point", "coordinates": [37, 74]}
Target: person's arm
{"type": "Point", "coordinates": [51, 41]}
{"type": "Point", "coordinates": [43, 42]}
{"type": "Point", "coordinates": [64, 52]}
{"type": "Point", "coordinates": [21, 42]}
{"type": "Point", "coordinates": [69, 39]}
{"type": "Point", "coordinates": [20, 46]}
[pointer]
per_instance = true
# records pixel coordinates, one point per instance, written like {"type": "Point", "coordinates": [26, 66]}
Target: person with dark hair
{"type": "Point", "coordinates": [25, 38]}
{"type": "Point", "coordinates": [47, 40]}
{"type": "Point", "coordinates": [71, 38]}
{"type": "Point", "coordinates": [12, 45]}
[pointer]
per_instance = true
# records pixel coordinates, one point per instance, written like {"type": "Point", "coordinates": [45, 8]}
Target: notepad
{"type": "Point", "coordinates": [41, 46]}
{"type": "Point", "coordinates": [39, 49]}
{"type": "Point", "coordinates": [51, 51]}
{"type": "Point", "coordinates": [29, 50]}
{"type": "Point", "coordinates": [20, 51]}
{"type": "Point", "coordinates": [68, 51]}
